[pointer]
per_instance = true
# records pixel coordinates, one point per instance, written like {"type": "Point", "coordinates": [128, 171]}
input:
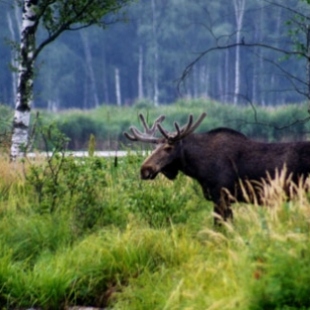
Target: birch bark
{"type": "Point", "coordinates": [13, 55]}
{"type": "Point", "coordinates": [23, 103]}
{"type": "Point", "coordinates": [140, 74]}
{"type": "Point", "coordinates": [118, 88]}
{"type": "Point", "coordinates": [155, 72]}
{"type": "Point", "coordinates": [90, 71]}
{"type": "Point", "coordinates": [239, 6]}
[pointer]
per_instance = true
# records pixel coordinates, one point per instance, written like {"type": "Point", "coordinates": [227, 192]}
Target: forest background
{"type": "Point", "coordinates": [141, 62]}
{"type": "Point", "coordinates": [147, 54]}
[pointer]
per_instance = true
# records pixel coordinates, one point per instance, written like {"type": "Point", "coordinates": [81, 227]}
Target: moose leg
{"type": "Point", "coordinates": [222, 208]}
{"type": "Point", "coordinates": [224, 213]}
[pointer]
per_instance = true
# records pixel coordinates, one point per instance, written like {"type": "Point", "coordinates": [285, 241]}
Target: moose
{"type": "Point", "coordinates": [220, 159]}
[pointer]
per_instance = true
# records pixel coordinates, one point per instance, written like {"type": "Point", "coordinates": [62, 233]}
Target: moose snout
{"type": "Point", "coordinates": [147, 172]}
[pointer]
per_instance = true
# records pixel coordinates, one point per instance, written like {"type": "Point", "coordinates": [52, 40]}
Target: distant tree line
{"type": "Point", "coordinates": [143, 59]}
{"type": "Point", "coordinates": [108, 123]}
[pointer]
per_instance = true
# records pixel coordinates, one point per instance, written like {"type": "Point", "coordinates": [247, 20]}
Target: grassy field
{"type": "Point", "coordinates": [90, 232]}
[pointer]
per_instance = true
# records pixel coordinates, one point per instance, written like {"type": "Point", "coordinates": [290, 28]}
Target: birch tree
{"type": "Point", "coordinates": [53, 17]}
{"type": "Point", "coordinates": [155, 47]}
{"type": "Point", "coordinates": [239, 6]}
{"type": "Point", "coordinates": [94, 99]}
{"type": "Point", "coordinates": [14, 32]}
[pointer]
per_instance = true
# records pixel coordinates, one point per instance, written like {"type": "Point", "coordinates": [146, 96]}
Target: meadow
{"type": "Point", "coordinates": [89, 232]}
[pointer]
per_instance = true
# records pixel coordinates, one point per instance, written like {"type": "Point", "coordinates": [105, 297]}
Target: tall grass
{"type": "Point", "coordinates": [99, 236]}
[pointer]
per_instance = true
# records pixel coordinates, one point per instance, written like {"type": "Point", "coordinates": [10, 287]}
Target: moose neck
{"type": "Point", "coordinates": [188, 156]}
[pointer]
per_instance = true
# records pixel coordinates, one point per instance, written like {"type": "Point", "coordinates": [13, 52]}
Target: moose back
{"type": "Point", "coordinates": [218, 159]}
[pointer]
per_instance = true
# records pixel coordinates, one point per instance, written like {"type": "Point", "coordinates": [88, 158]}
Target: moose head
{"type": "Point", "coordinates": [167, 155]}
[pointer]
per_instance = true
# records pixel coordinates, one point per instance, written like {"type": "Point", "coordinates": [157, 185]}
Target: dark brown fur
{"type": "Point", "coordinates": [220, 158]}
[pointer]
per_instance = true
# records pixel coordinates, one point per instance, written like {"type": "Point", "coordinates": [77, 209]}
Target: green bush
{"type": "Point", "coordinates": [284, 276]}
{"type": "Point", "coordinates": [107, 123]}
{"type": "Point", "coordinates": [160, 203]}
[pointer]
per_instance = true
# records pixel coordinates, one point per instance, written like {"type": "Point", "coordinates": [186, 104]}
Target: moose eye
{"type": "Point", "coordinates": [168, 148]}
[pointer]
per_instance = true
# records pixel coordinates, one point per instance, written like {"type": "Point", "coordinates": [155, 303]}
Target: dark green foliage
{"type": "Point", "coordinates": [160, 207]}
{"type": "Point", "coordinates": [284, 277]}
{"type": "Point", "coordinates": [107, 124]}
{"type": "Point", "coordinates": [6, 115]}
{"type": "Point", "coordinates": [69, 184]}
{"type": "Point", "coordinates": [81, 127]}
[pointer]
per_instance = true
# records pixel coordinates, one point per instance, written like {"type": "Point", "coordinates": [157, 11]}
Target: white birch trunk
{"type": "Point", "coordinates": [21, 118]}
{"type": "Point", "coordinates": [140, 74]}
{"type": "Point", "coordinates": [155, 72]}
{"type": "Point", "coordinates": [13, 56]}
{"type": "Point", "coordinates": [239, 6]}
{"type": "Point", "coordinates": [256, 64]}
{"type": "Point", "coordinates": [220, 82]}
{"type": "Point", "coordinates": [226, 76]}
{"type": "Point", "coordinates": [53, 105]}
{"type": "Point", "coordinates": [195, 82]}
{"type": "Point", "coordinates": [104, 79]}
{"type": "Point", "coordinates": [86, 95]}
{"type": "Point", "coordinates": [260, 67]}
{"type": "Point", "coordinates": [105, 89]}
{"type": "Point", "coordinates": [90, 70]}
{"type": "Point", "coordinates": [204, 82]}
{"type": "Point", "coordinates": [15, 30]}
{"type": "Point", "coordinates": [118, 87]}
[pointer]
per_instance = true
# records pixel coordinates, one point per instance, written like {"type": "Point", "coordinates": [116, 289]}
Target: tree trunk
{"type": "Point", "coordinates": [260, 64]}
{"type": "Point", "coordinates": [21, 118]}
{"type": "Point", "coordinates": [13, 55]}
{"type": "Point", "coordinates": [226, 76]}
{"type": "Point", "coordinates": [195, 82]}
{"type": "Point", "coordinates": [140, 74]}
{"type": "Point", "coordinates": [15, 30]}
{"type": "Point", "coordinates": [90, 72]}
{"type": "Point", "coordinates": [204, 78]}
{"type": "Point", "coordinates": [239, 6]}
{"type": "Point", "coordinates": [118, 88]}
{"type": "Point", "coordinates": [155, 64]}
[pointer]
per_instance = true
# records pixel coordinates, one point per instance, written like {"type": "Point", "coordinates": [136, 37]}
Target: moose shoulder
{"type": "Point", "coordinates": [218, 159]}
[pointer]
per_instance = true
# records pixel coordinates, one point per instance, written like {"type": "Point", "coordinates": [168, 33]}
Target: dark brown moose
{"type": "Point", "coordinates": [218, 159]}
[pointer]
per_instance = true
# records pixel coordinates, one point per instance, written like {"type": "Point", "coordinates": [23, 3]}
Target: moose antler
{"type": "Point", "coordinates": [182, 132]}
{"type": "Point", "coordinates": [171, 137]}
{"type": "Point", "coordinates": [149, 132]}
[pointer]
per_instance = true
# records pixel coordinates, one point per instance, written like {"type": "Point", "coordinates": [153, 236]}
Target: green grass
{"type": "Point", "coordinates": [100, 236]}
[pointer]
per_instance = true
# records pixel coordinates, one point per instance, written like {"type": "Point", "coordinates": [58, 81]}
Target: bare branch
{"type": "Point", "coordinates": [189, 67]}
